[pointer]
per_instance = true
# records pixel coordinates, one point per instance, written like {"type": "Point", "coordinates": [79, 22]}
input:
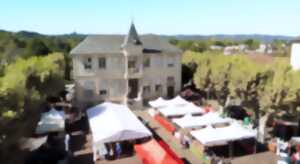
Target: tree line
{"type": "Point", "coordinates": [279, 47]}
{"type": "Point", "coordinates": [27, 81]}
{"type": "Point", "coordinates": [31, 66]}
{"type": "Point", "coordinates": [264, 87]}
{"type": "Point", "coordinates": [26, 44]}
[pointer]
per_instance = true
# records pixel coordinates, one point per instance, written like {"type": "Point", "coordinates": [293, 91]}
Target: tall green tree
{"type": "Point", "coordinates": [37, 47]}
{"type": "Point", "coordinates": [252, 44]}
{"type": "Point", "coordinates": [31, 78]}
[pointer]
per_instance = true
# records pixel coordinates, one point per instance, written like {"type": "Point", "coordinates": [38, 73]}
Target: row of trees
{"type": "Point", "coordinates": [204, 45]}
{"type": "Point", "coordinates": [258, 86]}
{"type": "Point", "coordinates": [30, 70]}
{"type": "Point", "coordinates": [26, 81]}
{"type": "Point", "coordinates": [279, 47]}
{"type": "Point", "coordinates": [27, 44]}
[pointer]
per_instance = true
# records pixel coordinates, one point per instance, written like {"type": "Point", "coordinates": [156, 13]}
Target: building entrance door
{"type": "Point", "coordinates": [170, 91]}
{"type": "Point", "coordinates": [133, 85]}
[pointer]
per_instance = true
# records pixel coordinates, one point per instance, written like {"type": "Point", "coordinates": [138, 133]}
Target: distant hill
{"type": "Point", "coordinates": [27, 34]}
{"type": "Point", "coordinates": [27, 43]}
{"type": "Point", "coordinates": [262, 38]}
{"type": "Point", "coordinates": [237, 37]}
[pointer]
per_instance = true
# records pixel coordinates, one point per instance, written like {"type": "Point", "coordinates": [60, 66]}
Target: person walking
{"type": "Point", "coordinates": [118, 149]}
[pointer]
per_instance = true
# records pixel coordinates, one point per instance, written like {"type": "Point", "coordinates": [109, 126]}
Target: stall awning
{"type": "Point", "coordinates": [160, 102]}
{"type": "Point", "coordinates": [173, 110]}
{"type": "Point", "coordinates": [210, 136]}
{"type": "Point", "coordinates": [111, 122]}
{"type": "Point", "coordinates": [189, 121]}
{"type": "Point", "coordinates": [52, 121]}
{"type": "Point", "coordinates": [153, 153]}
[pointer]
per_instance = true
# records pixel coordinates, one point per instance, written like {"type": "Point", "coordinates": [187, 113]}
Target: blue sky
{"type": "Point", "coordinates": [277, 17]}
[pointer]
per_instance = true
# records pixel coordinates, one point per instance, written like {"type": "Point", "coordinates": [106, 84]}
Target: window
{"type": "Point", "coordinates": [170, 61]}
{"type": "Point", "coordinates": [170, 80]}
{"type": "Point", "coordinates": [102, 63]}
{"type": "Point", "coordinates": [103, 92]}
{"type": "Point", "coordinates": [88, 88]}
{"type": "Point", "coordinates": [147, 62]}
{"type": "Point", "coordinates": [158, 88]}
{"type": "Point", "coordinates": [88, 93]}
{"type": "Point", "coordinates": [147, 89]}
{"type": "Point", "coordinates": [103, 87]}
{"type": "Point", "coordinates": [117, 87]}
{"type": "Point", "coordinates": [131, 63]}
{"type": "Point", "coordinates": [87, 63]}
{"type": "Point", "coordinates": [170, 64]}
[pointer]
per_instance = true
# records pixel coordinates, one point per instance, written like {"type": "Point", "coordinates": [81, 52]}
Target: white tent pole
{"type": "Point", "coordinates": [94, 153]}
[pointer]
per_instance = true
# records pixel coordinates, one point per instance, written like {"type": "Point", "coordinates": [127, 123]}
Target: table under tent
{"type": "Point", "coordinates": [115, 124]}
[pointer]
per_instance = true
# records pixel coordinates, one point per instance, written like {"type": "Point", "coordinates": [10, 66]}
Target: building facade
{"type": "Point", "coordinates": [125, 68]}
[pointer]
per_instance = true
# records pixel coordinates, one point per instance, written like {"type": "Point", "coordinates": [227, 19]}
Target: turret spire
{"type": "Point", "coordinates": [132, 36]}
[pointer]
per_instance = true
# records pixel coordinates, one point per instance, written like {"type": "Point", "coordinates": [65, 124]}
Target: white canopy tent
{"type": "Point", "coordinates": [111, 122]}
{"type": "Point", "coordinates": [210, 136]}
{"type": "Point", "coordinates": [189, 121]}
{"type": "Point", "coordinates": [52, 121]}
{"type": "Point", "coordinates": [160, 102]}
{"type": "Point", "coordinates": [173, 110]}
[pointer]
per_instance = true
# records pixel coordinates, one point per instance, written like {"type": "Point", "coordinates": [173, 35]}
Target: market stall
{"type": "Point", "coordinates": [52, 121]}
{"type": "Point", "coordinates": [210, 136]}
{"type": "Point", "coordinates": [160, 102]}
{"type": "Point", "coordinates": [111, 123]}
{"type": "Point", "coordinates": [180, 110]}
{"type": "Point", "coordinates": [189, 121]}
{"type": "Point", "coordinates": [153, 152]}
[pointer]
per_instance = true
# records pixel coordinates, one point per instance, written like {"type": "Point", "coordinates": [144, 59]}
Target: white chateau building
{"type": "Point", "coordinates": [125, 68]}
{"type": "Point", "coordinates": [295, 54]}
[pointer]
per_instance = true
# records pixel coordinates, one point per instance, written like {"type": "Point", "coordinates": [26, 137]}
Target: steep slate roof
{"type": "Point", "coordinates": [132, 37]}
{"type": "Point", "coordinates": [94, 44]}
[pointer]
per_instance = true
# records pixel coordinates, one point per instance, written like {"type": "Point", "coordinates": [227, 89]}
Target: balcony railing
{"type": "Point", "coordinates": [133, 70]}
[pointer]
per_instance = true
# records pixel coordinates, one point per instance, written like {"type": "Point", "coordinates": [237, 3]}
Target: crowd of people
{"type": "Point", "coordinates": [114, 150]}
{"type": "Point", "coordinates": [288, 151]}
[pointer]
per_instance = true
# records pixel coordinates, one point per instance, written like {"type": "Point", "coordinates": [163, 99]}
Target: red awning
{"type": "Point", "coordinates": [165, 123]}
{"type": "Point", "coordinates": [153, 153]}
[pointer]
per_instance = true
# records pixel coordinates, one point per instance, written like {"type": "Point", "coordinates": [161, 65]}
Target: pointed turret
{"type": "Point", "coordinates": [132, 37]}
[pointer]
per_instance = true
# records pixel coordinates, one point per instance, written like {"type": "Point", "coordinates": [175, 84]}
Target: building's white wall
{"type": "Point", "coordinates": [114, 77]}
{"type": "Point", "coordinates": [115, 66]}
{"type": "Point", "coordinates": [111, 78]}
{"type": "Point", "coordinates": [116, 89]}
{"type": "Point", "coordinates": [295, 56]}
{"type": "Point", "coordinates": [158, 72]}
